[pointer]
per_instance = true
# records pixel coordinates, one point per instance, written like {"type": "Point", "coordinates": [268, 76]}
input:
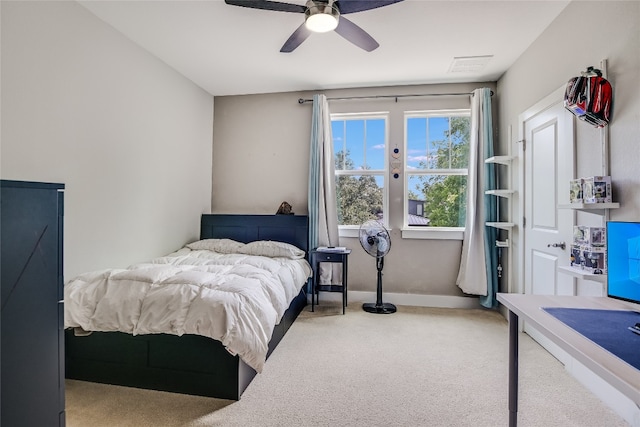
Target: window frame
{"type": "Point", "coordinates": [421, 232]}
{"type": "Point", "coordinates": [353, 230]}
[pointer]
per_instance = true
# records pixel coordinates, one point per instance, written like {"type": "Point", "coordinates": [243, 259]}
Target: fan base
{"type": "Point", "coordinates": [384, 308]}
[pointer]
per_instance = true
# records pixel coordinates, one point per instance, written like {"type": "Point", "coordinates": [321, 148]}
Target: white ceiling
{"type": "Point", "coordinates": [230, 50]}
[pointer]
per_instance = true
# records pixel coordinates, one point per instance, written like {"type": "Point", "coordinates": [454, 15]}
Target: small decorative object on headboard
{"type": "Point", "coordinates": [284, 209]}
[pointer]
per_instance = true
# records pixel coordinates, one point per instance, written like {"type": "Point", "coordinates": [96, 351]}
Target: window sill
{"type": "Point", "coordinates": [440, 233]}
{"type": "Point", "coordinates": [432, 233]}
{"type": "Point", "coordinates": [351, 231]}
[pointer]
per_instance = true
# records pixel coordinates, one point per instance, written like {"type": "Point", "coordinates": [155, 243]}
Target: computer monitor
{"type": "Point", "coordinates": [623, 260]}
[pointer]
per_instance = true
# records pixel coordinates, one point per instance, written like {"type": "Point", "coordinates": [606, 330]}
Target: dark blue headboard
{"type": "Point", "coordinates": [292, 229]}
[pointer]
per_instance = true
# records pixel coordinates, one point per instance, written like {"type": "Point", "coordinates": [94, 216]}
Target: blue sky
{"type": "Point", "coordinates": [421, 133]}
{"type": "Point", "coordinates": [350, 135]}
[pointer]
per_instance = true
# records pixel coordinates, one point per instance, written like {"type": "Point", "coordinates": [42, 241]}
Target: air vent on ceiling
{"type": "Point", "coordinates": [469, 64]}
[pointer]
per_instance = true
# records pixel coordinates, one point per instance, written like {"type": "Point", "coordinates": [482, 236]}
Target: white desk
{"type": "Point", "coordinates": [622, 376]}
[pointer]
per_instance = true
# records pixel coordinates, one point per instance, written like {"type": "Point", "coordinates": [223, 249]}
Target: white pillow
{"type": "Point", "coordinates": [223, 246]}
{"type": "Point", "coordinates": [272, 249]}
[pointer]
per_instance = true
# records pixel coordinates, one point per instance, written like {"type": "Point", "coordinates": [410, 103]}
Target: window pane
{"type": "Point", "coordinates": [375, 144]}
{"type": "Point", "coordinates": [442, 197]}
{"type": "Point", "coordinates": [437, 142]}
{"type": "Point", "coordinates": [416, 143]}
{"type": "Point", "coordinates": [360, 145]}
{"type": "Point", "coordinates": [360, 198]}
{"type": "Point", "coordinates": [338, 134]}
{"type": "Point", "coordinates": [460, 142]}
{"type": "Point", "coordinates": [439, 151]}
{"type": "Point", "coordinates": [355, 142]}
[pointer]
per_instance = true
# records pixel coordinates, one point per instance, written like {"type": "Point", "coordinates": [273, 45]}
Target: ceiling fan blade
{"type": "Point", "coordinates": [268, 5]}
{"type": "Point", "coordinates": [295, 39]}
{"type": "Point", "coordinates": [352, 6]}
{"type": "Point", "coordinates": [356, 35]}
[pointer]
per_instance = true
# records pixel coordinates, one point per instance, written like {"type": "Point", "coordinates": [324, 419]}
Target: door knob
{"type": "Point", "coordinates": [561, 245]}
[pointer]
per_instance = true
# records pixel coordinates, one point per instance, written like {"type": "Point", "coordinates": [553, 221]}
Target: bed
{"type": "Point", "coordinates": [189, 363]}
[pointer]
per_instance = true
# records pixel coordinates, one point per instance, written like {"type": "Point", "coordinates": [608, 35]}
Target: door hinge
{"type": "Point", "coordinates": [524, 222]}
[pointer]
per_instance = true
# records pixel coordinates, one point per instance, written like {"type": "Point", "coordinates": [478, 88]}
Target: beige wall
{"type": "Point", "coordinates": [130, 138]}
{"type": "Point", "coordinates": [430, 266]}
{"type": "Point", "coordinates": [584, 34]}
{"type": "Point", "coordinates": [261, 156]}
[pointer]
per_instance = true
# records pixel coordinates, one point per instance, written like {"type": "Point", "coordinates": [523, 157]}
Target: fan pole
{"type": "Point", "coordinates": [379, 307]}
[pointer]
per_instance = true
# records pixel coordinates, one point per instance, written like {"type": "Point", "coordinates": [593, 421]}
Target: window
{"type": "Point", "coordinates": [436, 168]}
{"type": "Point", "coordinates": [359, 143]}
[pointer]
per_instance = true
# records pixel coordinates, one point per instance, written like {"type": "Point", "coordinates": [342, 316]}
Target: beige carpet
{"type": "Point", "coordinates": [417, 367]}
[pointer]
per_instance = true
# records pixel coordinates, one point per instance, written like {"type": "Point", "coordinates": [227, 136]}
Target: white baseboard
{"type": "Point", "coordinates": [440, 301]}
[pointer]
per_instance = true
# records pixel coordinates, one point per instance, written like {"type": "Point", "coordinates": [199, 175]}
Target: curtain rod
{"type": "Point", "coordinates": [346, 98]}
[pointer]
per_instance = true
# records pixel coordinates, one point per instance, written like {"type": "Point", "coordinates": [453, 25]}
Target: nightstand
{"type": "Point", "coordinates": [334, 256]}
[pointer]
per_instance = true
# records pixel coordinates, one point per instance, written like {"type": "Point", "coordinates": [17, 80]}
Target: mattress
{"type": "Point", "coordinates": [232, 292]}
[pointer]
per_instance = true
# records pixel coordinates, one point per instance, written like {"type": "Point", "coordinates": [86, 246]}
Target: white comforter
{"type": "Point", "coordinates": [236, 299]}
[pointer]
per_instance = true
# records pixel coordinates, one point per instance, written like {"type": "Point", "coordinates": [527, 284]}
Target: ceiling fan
{"type": "Point", "coordinates": [322, 16]}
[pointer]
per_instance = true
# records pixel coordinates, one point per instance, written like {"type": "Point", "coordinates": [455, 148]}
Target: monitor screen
{"type": "Point", "coordinates": [623, 260]}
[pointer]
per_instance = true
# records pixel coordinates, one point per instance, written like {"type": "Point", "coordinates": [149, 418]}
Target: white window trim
{"type": "Point", "coordinates": [349, 231]}
{"type": "Point", "coordinates": [433, 233]}
{"type": "Point", "coordinates": [425, 233]}
{"type": "Point", "coordinates": [419, 232]}
{"type": "Point", "coordinates": [353, 230]}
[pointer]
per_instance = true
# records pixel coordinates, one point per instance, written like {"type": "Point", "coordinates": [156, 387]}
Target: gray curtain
{"type": "Point", "coordinates": [478, 264]}
{"type": "Point", "coordinates": [323, 207]}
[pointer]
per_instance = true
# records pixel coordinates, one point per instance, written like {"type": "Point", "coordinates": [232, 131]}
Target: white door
{"type": "Point", "coordinates": [548, 159]}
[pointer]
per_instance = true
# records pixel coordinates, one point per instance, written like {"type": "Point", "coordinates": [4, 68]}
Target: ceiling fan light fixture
{"type": "Point", "coordinates": [321, 18]}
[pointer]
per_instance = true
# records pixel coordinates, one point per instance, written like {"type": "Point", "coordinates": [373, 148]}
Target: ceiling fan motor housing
{"type": "Point", "coordinates": [321, 16]}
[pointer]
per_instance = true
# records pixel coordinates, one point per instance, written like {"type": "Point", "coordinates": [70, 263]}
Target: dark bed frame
{"type": "Point", "coordinates": [189, 364]}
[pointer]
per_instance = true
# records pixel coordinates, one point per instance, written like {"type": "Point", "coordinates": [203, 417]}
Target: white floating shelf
{"type": "Point", "coordinates": [594, 208]}
{"type": "Point", "coordinates": [501, 193]}
{"type": "Point", "coordinates": [501, 225]}
{"type": "Point", "coordinates": [590, 206]}
{"type": "Point", "coordinates": [503, 160]}
{"type": "Point", "coordinates": [583, 274]}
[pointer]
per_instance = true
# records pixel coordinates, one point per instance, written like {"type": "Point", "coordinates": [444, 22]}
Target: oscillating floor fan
{"type": "Point", "coordinates": [375, 240]}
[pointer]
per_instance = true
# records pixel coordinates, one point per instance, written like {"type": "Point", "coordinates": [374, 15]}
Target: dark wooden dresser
{"type": "Point", "coordinates": [32, 316]}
